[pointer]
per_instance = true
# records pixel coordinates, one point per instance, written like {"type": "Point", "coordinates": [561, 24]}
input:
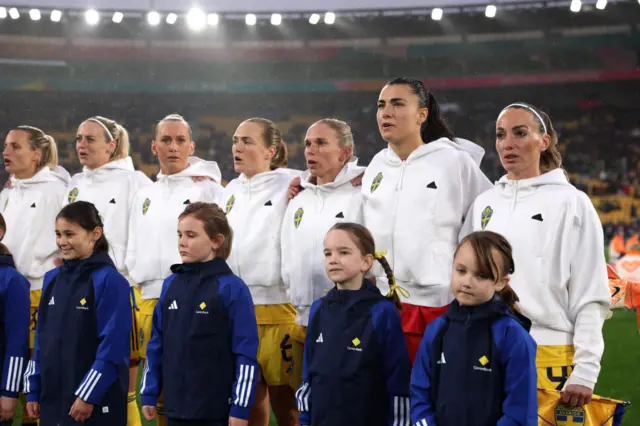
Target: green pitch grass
{"type": "Point", "coordinates": [620, 376]}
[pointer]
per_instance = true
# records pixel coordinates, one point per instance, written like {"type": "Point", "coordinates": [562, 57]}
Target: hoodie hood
{"type": "Point", "coordinates": [262, 180]}
{"type": "Point", "coordinates": [368, 291]}
{"type": "Point", "coordinates": [554, 177]}
{"type": "Point", "coordinates": [124, 164]}
{"type": "Point", "coordinates": [44, 175]}
{"type": "Point", "coordinates": [197, 168]}
{"type": "Point", "coordinates": [494, 308]}
{"type": "Point", "coordinates": [475, 151]}
{"type": "Point", "coordinates": [6, 261]}
{"type": "Point", "coordinates": [350, 171]}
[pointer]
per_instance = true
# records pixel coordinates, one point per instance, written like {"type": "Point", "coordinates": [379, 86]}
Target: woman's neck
{"type": "Point", "coordinates": [255, 173]}
{"type": "Point", "coordinates": [25, 175]}
{"type": "Point", "coordinates": [527, 173]}
{"type": "Point", "coordinates": [404, 148]}
{"type": "Point", "coordinates": [173, 172]}
{"type": "Point", "coordinates": [352, 284]}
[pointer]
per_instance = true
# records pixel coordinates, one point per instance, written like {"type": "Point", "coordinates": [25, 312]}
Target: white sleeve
{"type": "Point", "coordinates": [42, 235]}
{"type": "Point", "coordinates": [285, 249]}
{"type": "Point", "coordinates": [130, 256]}
{"type": "Point", "coordinates": [213, 193]}
{"type": "Point", "coordinates": [467, 225]}
{"type": "Point", "coordinates": [139, 180]}
{"type": "Point", "coordinates": [355, 208]}
{"type": "Point", "coordinates": [589, 295]}
{"type": "Point", "coordinates": [473, 182]}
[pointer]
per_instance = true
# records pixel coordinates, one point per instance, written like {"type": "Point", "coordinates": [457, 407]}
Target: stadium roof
{"type": "Point", "coordinates": [225, 6]}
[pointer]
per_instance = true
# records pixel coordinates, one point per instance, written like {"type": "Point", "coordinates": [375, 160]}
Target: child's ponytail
{"type": "Point", "coordinates": [509, 297]}
{"type": "Point", "coordinates": [394, 288]}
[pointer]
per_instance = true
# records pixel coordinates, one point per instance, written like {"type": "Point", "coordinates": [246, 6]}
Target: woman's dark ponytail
{"type": "Point", "coordinates": [86, 215]}
{"type": "Point", "coordinates": [434, 127]}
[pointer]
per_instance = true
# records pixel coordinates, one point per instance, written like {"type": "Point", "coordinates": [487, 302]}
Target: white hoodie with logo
{"type": "Point", "coordinates": [111, 188]}
{"type": "Point", "coordinates": [415, 209]}
{"type": "Point", "coordinates": [560, 270]}
{"type": "Point", "coordinates": [30, 208]}
{"type": "Point", "coordinates": [255, 208]}
{"type": "Point", "coordinates": [153, 222]}
{"type": "Point", "coordinates": [309, 217]}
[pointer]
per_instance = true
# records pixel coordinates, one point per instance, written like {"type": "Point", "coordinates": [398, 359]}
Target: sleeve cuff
{"type": "Point", "coordinates": [149, 400]}
{"type": "Point", "coordinates": [575, 380]}
{"type": "Point", "coordinates": [303, 417]}
{"type": "Point", "coordinates": [239, 412]}
{"type": "Point", "coordinates": [33, 397]}
{"type": "Point", "coordinates": [9, 394]}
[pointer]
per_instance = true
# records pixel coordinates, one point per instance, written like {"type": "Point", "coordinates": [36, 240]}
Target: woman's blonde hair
{"type": "Point", "coordinates": [343, 133]}
{"type": "Point", "coordinates": [43, 142]}
{"type": "Point", "coordinates": [113, 132]}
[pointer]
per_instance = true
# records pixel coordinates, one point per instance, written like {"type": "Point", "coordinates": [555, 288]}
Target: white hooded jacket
{"type": "Point", "coordinates": [415, 209]}
{"type": "Point", "coordinates": [111, 188]}
{"type": "Point", "coordinates": [30, 208]}
{"type": "Point", "coordinates": [153, 222]}
{"type": "Point", "coordinates": [255, 208]}
{"type": "Point", "coordinates": [309, 217]}
{"type": "Point", "coordinates": [560, 270]}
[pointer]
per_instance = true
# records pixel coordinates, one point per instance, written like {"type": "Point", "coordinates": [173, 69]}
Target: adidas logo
{"type": "Point", "coordinates": [268, 203]}
{"type": "Point", "coordinates": [52, 301]}
{"type": "Point", "coordinates": [442, 360]}
{"type": "Point", "coordinates": [113, 201]}
{"type": "Point", "coordinates": [319, 339]}
{"type": "Point", "coordinates": [432, 185]}
{"type": "Point", "coordinates": [340, 215]}
{"type": "Point", "coordinates": [173, 306]}
{"type": "Point", "coordinates": [537, 217]}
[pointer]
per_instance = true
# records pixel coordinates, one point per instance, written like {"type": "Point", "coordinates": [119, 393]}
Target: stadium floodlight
{"type": "Point", "coordinates": [171, 18]}
{"type": "Point", "coordinates": [250, 19]}
{"type": "Point", "coordinates": [213, 19]}
{"type": "Point", "coordinates": [3, 12]}
{"type": "Point", "coordinates": [35, 14]}
{"type": "Point", "coordinates": [196, 19]}
{"type": "Point", "coordinates": [576, 5]}
{"type": "Point", "coordinates": [13, 12]}
{"type": "Point", "coordinates": [601, 4]}
{"type": "Point", "coordinates": [490, 11]}
{"type": "Point", "coordinates": [315, 18]}
{"type": "Point", "coordinates": [117, 17]}
{"type": "Point", "coordinates": [56, 15]}
{"type": "Point", "coordinates": [276, 19]}
{"type": "Point", "coordinates": [153, 18]}
{"type": "Point", "coordinates": [329, 18]}
{"type": "Point", "coordinates": [436, 14]}
{"type": "Point", "coordinates": [92, 17]}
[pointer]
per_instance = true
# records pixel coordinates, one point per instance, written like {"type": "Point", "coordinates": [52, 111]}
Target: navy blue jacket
{"type": "Point", "coordinates": [476, 367]}
{"type": "Point", "coordinates": [356, 366]}
{"type": "Point", "coordinates": [206, 319]}
{"type": "Point", "coordinates": [14, 326]}
{"type": "Point", "coordinates": [82, 343]}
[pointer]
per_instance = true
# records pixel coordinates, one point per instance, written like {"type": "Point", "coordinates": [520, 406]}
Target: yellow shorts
{"type": "Point", "coordinates": [297, 352]}
{"type": "Point", "coordinates": [134, 357]}
{"type": "Point", "coordinates": [34, 296]}
{"type": "Point", "coordinates": [145, 324]}
{"type": "Point", "coordinates": [276, 325]}
{"type": "Point", "coordinates": [554, 365]}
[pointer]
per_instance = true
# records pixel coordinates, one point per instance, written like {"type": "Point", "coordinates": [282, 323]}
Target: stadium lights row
{"type": "Point", "coordinates": [198, 20]}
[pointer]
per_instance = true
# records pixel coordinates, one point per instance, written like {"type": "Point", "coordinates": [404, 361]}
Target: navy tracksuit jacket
{"type": "Point", "coordinates": [475, 367]}
{"type": "Point", "coordinates": [204, 345]}
{"type": "Point", "coordinates": [14, 326]}
{"type": "Point", "coordinates": [82, 343]}
{"type": "Point", "coordinates": [356, 366]}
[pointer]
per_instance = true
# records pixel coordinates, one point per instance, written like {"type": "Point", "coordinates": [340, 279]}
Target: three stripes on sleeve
{"type": "Point", "coordinates": [13, 378]}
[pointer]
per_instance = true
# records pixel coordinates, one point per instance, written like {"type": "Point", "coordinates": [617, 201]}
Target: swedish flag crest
{"type": "Point", "coordinates": [376, 182]}
{"type": "Point", "coordinates": [230, 202]}
{"type": "Point", "coordinates": [486, 216]}
{"type": "Point", "coordinates": [569, 416]}
{"type": "Point", "coordinates": [145, 206]}
{"type": "Point", "coordinates": [297, 218]}
{"type": "Point", "coordinates": [73, 194]}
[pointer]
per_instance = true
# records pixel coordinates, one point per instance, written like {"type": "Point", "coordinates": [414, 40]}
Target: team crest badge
{"type": "Point", "coordinates": [230, 202]}
{"type": "Point", "coordinates": [376, 182]}
{"type": "Point", "coordinates": [145, 206]}
{"type": "Point", "coordinates": [297, 218]}
{"type": "Point", "coordinates": [73, 194]}
{"type": "Point", "coordinates": [570, 416]}
{"type": "Point", "coordinates": [486, 216]}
